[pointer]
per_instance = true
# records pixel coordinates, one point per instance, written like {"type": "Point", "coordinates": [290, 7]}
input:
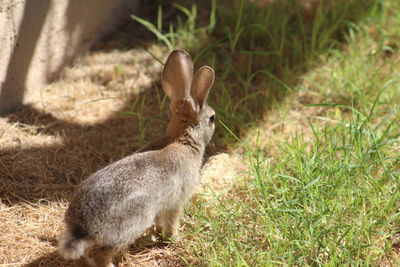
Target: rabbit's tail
{"type": "Point", "coordinates": [71, 247]}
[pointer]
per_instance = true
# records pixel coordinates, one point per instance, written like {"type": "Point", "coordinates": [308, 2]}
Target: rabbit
{"type": "Point", "coordinates": [114, 206]}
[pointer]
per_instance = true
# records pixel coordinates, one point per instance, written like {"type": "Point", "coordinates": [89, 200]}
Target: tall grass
{"type": "Point", "coordinates": [332, 200]}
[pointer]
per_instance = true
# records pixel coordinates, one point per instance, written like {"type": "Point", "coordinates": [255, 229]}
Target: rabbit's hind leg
{"type": "Point", "coordinates": [102, 257]}
{"type": "Point", "coordinates": [85, 261]}
{"type": "Point", "coordinates": [167, 223]}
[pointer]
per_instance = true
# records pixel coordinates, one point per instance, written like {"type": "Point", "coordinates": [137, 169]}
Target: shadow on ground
{"type": "Point", "coordinates": [85, 147]}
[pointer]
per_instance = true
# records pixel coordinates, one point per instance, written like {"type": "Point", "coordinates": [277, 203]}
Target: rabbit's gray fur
{"type": "Point", "coordinates": [115, 205]}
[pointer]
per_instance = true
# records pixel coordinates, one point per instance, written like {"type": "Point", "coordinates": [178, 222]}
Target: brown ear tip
{"type": "Point", "coordinates": [179, 52]}
{"type": "Point", "coordinates": [211, 70]}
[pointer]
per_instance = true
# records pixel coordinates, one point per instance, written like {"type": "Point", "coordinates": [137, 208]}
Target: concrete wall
{"type": "Point", "coordinates": [38, 37]}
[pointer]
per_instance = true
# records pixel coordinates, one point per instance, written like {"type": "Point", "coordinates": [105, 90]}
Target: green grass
{"type": "Point", "coordinates": [332, 200]}
{"type": "Point", "coordinates": [327, 193]}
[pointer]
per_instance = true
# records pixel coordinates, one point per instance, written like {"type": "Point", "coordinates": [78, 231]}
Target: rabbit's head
{"type": "Point", "coordinates": [189, 110]}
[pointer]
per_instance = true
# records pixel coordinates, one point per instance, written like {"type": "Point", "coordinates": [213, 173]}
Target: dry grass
{"type": "Point", "coordinates": [51, 144]}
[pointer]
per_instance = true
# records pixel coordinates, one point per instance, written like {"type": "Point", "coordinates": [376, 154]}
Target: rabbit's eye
{"type": "Point", "coordinates": [212, 118]}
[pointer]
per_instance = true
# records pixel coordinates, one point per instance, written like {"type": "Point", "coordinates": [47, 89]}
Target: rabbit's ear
{"type": "Point", "coordinates": [202, 82]}
{"type": "Point", "coordinates": [177, 75]}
